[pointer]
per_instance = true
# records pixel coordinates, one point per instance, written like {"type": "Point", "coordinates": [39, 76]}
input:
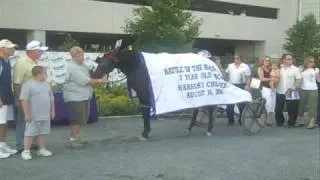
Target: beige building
{"type": "Point", "coordinates": [309, 6]}
{"type": "Point", "coordinates": [251, 27]}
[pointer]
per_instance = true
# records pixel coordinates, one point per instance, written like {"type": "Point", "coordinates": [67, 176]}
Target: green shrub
{"type": "Point", "coordinates": [115, 101]}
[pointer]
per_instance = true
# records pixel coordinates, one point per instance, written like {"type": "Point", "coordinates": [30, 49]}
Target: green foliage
{"type": "Point", "coordinates": [118, 105]}
{"type": "Point", "coordinates": [303, 39]}
{"type": "Point", "coordinates": [57, 87]}
{"type": "Point", "coordinates": [68, 43]}
{"type": "Point", "coordinates": [115, 101]}
{"type": "Point", "coordinates": [165, 20]}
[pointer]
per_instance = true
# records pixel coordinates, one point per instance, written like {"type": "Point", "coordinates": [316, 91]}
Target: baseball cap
{"type": "Point", "coordinates": [36, 45]}
{"type": "Point", "coordinates": [5, 43]}
{"type": "Point", "coordinates": [205, 53]}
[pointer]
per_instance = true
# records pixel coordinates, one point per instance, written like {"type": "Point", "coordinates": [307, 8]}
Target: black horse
{"type": "Point", "coordinates": [128, 62]}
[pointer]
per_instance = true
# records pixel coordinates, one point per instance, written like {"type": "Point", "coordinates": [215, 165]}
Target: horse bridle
{"type": "Point", "coordinates": [114, 59]}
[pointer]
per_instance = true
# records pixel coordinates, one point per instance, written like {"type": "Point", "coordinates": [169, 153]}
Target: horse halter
{"type": "Point", "coordinates": [112, 56]}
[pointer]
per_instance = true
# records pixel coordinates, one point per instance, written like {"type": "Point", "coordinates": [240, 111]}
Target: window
{"type": "Point", "coordinates": [235, 9]}
{"type": "Point", "coordinates": [220, 7]}
{"type": "Point", "coordinates": [16, 36]}
{"type": "Point", "coordinates": [140, 2]}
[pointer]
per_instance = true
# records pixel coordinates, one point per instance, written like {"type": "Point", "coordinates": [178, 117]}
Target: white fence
{"type": "Point", "coordinates": [56, 65]}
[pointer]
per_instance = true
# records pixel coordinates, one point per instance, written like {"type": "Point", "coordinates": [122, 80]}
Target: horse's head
{"type": "Point", "coordinates": [107, 62]}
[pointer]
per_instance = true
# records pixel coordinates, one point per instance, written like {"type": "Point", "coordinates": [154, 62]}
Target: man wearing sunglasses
{"type": "Point", "coordinates": [6, 96]}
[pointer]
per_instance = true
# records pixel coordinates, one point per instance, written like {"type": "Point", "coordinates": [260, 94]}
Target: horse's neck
{"type": "Point", "coordinates": [128, 62]}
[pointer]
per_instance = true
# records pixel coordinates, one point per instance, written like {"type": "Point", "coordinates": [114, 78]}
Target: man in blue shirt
{"type": "Point", "coordinates": [6, 95]}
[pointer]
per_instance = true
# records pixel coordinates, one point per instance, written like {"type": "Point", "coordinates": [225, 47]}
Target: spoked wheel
{"type": "Point", "coordinates": [254, 117]}
{"type": "Point", "coordinates": [203, 115]}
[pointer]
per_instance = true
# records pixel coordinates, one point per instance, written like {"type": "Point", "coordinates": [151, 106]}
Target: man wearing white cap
{"type": "Point", "coordinates": [21, 74]}
{"type": "Point", "coordinates": [6, 95]}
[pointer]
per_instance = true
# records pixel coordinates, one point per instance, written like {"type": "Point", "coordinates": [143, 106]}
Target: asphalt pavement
{"type": "Point", "coordinates": [115, 153]}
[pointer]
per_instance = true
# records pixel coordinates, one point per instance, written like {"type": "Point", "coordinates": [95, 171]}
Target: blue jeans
{"type": "Point", "coordinates": [20, 125]}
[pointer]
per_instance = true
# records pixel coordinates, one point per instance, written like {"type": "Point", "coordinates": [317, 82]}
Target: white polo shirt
{"type": "Point", "coordinates": [288, 76]}
{"type": "Point", "coordinates": [309, 79]}
{"type": "Point", "coordinates": [237, 75]}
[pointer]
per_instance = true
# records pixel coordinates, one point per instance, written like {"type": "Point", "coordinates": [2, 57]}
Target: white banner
{"type": "Point", "coordinates": [56, 65]}
{"type": "Point", "coordinates": [182, 81]}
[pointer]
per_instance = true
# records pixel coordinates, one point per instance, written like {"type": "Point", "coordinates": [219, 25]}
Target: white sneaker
{"type": "Point", "coordinates": [4, 155]}
{"type": "Point", "coordinates": [26, 155]}
{"type": "Point", "coordinates": [5, 148]}
{"type": "Point", "coordinates": [44, 153]}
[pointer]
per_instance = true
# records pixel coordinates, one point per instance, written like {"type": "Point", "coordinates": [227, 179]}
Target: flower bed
{"type": "Point", "coordinates": [114, 101]}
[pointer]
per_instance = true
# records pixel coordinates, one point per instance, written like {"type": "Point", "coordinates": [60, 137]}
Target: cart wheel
{"type": "Point", "coordinates": [252, 120]}
{"type": "Point", "coordinates": [202, 116]}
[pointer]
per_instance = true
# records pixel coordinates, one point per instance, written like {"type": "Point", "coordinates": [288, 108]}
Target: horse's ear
{"type": "Point", "coordinates": [117, 46]}
{"type": "Point", "coordinates": [98, 59]}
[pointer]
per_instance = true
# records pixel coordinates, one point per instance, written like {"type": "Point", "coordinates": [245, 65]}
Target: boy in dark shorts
{"type": "Point", "coordinates": [38, 106]}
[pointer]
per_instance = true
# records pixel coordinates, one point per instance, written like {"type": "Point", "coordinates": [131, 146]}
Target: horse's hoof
{"type": "Point", "coordinates": [188, 131]}
{"type": "Point", "coordinates": [141, 138]}
{"type": "Point", "coordinates": [208, 134]}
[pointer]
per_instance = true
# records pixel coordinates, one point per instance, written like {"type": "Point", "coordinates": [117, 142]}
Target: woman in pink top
{"type": "Point", "coordinates": [274, 76]}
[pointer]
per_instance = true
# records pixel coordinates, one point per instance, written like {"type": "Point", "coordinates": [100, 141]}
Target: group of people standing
{"type": "Point", "coordinates": [31, 97]}
{"type": "Point", "coordinates": [28, 99]}
{"type": "Point", "coordinates": [279, 79]}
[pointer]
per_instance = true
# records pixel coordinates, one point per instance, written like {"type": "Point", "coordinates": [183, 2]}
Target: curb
{"type": "Point", "coordinates": [140, 116]}
{"type": "Point", "coordinates": [118, 117]}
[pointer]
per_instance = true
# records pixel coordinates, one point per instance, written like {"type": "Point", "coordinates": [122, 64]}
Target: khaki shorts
{"type": "Point", "coordinates": [78, 112]}
{"type": "Point", "coordinates": [36, 128]}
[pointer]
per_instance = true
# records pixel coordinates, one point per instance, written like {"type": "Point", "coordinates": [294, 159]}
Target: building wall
{"type": "Point", "coordinates": [310, 6]}
{"type": "Point", "coordinates": [104, 17]}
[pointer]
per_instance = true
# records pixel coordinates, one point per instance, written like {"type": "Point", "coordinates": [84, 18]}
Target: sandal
{"type": "Point", "coordinates": [311, 125]}
{"type": "Point", "coordinates": [299, 122]}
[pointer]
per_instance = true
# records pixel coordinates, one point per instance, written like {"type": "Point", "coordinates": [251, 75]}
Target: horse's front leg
{"type": "Point", "coordinates": [146, 123]}
{"type": "Point", "coordinates": [212, 116]}
{"type": "Point", "coordinates": [193, 120]}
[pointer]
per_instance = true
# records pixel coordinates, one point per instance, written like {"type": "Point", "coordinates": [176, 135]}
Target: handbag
{"type": "Point", "coordinates": [255, 83]}
{"type": "Point", "coordinates": [292, 94]}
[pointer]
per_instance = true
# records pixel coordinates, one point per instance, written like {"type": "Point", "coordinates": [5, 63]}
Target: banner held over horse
{"type": "Point", "coordinates": [183, 81]}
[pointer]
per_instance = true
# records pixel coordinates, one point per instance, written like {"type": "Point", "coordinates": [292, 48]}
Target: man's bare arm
{"type": "Point", "coordinates": [17, 90]}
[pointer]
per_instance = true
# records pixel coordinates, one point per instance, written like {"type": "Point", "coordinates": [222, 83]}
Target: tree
{"type": "Point", "coordinates": [68, 43]}
{"type": "Point", "coordinates": [303, 39]}
{"type": "Point", "coordinates": [163, 20]}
